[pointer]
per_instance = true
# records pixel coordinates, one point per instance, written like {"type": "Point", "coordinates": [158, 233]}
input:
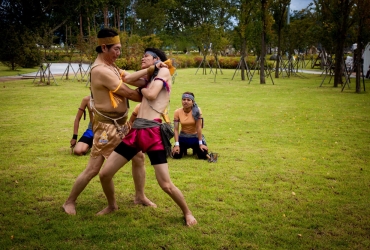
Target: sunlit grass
{"type": "Point", "coordinates": [292, 173]}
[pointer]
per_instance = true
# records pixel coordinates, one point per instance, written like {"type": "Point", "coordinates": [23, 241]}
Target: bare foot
{"type": "Point", "coordinates": [107, 210]}
{"type": "Point", "coordinates": [69, 208]}
{"type": "Point", "coordinates": [144, 202]}
{"type": "Point", "coordinates": [190, 220]}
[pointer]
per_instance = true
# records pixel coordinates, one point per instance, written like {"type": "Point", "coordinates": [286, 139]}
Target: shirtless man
{"type": "Point", "coordinates": [85, 142]}
{"type": "Point", "coordinates": [145, 135]}
{"type": "Point", "coordinates": [110, 125]}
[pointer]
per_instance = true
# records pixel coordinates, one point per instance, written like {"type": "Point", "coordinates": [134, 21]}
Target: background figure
{"type": "Point", "coordinates": [134, 114]}
{"type": "Point", "coordinates": [191, 120]}
{"type": "Point", "coordinates": [85, 142]}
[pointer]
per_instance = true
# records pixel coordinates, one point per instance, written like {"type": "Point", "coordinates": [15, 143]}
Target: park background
{"type": "Point", "coordinates": [294, 151]}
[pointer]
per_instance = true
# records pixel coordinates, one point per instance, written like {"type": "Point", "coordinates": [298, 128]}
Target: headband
{"type": "Point", "coordinates": [188, 96]}
{"type": "Point", "coordinates": [154, 55]}
{"type": "Point", "coordinates": [109, 40]}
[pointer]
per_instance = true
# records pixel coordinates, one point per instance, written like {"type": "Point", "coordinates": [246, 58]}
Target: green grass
{"type": "Point", "coordinates": [293, 170]}
{"type": "Point", "coordinates": [5, 71]}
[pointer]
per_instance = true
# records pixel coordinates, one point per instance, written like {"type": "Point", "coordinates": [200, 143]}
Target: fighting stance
{"type": "Point", "coordinates": [109, 104]}
{"type": "Point", "coordinates": [148, 134]}
{"type": "Point", "coordinates": [190, 118]}
{"type": "Point", "coordinates": [85, 142]}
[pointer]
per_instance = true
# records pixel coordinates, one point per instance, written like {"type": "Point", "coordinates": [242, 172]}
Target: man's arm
{"type": "Point", "coordinates": [136, 78]}
{"type": "Point", "coordinates": [112, 83]}
{"type": "Point", "coordinates": [76, 123]}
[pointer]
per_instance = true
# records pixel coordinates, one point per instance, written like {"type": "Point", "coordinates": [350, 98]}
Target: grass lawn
{"type": "Point", "coordinates": [5, 71]}
{"type": "Point", "coordinates": [293, 170]}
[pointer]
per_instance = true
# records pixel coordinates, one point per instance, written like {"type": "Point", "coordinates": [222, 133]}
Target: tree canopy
{"type": "Point", "coordinates": [183, 25]}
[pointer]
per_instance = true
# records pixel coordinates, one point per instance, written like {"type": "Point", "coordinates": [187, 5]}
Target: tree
{"type": "Point", "coordinates": [264, 4]}
{"type": "Point", "coordinates": [362, 17]}
{"type": "Point", "coordinates": [244, 11]}
{"type": "Point", "coordinates": [279, 12]}
{"type": "Point", "coordinates": [24, 21]}
{"type": "Point", "coordinates": [336, 20]}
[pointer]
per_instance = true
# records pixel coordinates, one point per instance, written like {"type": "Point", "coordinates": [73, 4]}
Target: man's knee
{"type": "Point", "coordinates": [90, 173]}
{"type": "Point", "coordinates": [79, 152]}
{"type": "Point", "coordinates": [167, 187]}
{"type": "Point", "coordinates": [138, 159]}
{"type": "Point", "coordinates": [103, 176]}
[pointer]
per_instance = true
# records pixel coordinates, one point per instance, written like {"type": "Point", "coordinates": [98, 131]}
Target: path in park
{"type": "Point", "coordinates": [58, 69]}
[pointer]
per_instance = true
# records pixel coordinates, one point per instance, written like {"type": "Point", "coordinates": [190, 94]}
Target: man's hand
{"type": "Point", "coordinates": [73, 143]}
{"type": "Point", "coordinates": [154, 69]}
{"type": "Point", "coordinates": [161, 65]}
{"type": "Point", "coordinates": [175, 150]}
{"type": "Point", "coordinates": [203, 147]}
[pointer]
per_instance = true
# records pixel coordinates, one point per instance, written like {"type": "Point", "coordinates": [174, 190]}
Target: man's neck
{"type": "Point", "coordinates": [102, 59]}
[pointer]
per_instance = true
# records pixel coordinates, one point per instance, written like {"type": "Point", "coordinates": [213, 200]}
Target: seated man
{"type": "Point", "coordinates": [190, 119]}
{"type": "Point", "coordinates": [85, 142]}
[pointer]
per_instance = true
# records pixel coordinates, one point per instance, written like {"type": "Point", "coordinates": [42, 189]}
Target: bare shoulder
{"type": "Point", "coordinates": [103, 76]}
{"type": "Point", "coordinates": [164, 71]}
{"type": "Point", "coordinates": [99, 70]}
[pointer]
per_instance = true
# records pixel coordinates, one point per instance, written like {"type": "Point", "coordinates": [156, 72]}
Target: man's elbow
{"type": "Point", "coordinates": [150, 97]}
{"type": "Point", "coordinates": [135, 97]}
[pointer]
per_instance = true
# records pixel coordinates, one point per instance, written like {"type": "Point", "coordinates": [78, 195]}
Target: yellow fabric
{"type": "Point", "coordinates": [171, 68]}
{"type": "Point", "coordinates": [109, 40]}
{"type": "Point", "coordinates": [106, 135]}
{"type": "Point", "coordinates": [165, 116]}
{"type": "Point", "coordinates": [113, 98]}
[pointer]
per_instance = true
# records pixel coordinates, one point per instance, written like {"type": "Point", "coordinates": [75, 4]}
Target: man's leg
{"type": "Point", "coordinates": [164, 181]}
{"type": "Point", "coordinates": [138, 174]}
{"type": "Point", "coordinates": [112, 165]}
{"type": "Point", "coordinates": [92, 169]}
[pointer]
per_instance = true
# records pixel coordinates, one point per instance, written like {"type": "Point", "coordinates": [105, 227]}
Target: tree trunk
{"type": "Point", "coordinates": [342, 33]}
{"type": "Point", "coordinates": [105, 13]}
{"type": "Point", "coordinates": [243, 54]}
{"type": "Point", "coordinates": [360, 46]}
{"type": "Point", "coordinates": [124, 19]}
{"type": "Point", "coordinates": [359, 67]}
{"type": "Point", "coordinates": [88, 22]}
{"type": "Point", "coordinates": [81, 33]}
{"type": "Point", "coordinates": [278, 54]}
{"type": "Point", "coordinates": [263, 49]}
{"type": "Point", "coordinates": [118, 20]}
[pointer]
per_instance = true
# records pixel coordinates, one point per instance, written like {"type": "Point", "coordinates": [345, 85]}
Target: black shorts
{"type": "Point", "coordinates": [87, 140]}
{"type": "Point", "coordinates": [156, 157]}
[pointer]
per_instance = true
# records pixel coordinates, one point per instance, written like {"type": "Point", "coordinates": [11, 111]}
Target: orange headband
{"type": "Point", "coordinates": [109, 40]}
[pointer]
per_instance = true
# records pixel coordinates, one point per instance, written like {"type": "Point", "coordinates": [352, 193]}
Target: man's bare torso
{"type": "Point", "coordinates": [159, 104]}
{"type": "Point", "coordinates": [102, 77]}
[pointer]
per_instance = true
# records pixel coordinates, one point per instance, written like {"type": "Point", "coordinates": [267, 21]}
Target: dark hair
{"type": "Point", "coordinates": [159, 53]}
{"type": "Point", "coordinates": [105, 32]}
